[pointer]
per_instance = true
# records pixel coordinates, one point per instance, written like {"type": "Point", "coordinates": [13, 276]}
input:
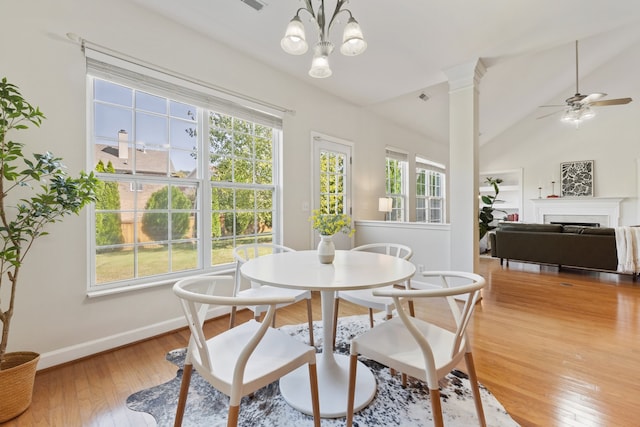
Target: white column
{"type": "Point", "coordinates": [464, 80]}
{"type": "Point", "coordinates": [637, 216]}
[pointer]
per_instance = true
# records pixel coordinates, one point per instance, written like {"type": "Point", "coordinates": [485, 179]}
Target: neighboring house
{"type": "Point", "coordinates": [148, 162]}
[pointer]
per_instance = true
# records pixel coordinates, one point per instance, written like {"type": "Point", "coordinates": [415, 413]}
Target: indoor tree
{"type": "Point", "coordinates": [485, 216]}
{"type": "Point", "coordinates": [35, 191]}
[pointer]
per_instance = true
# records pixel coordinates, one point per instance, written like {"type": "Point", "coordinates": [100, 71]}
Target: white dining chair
{"type": "Point", "coordinates": [242, 254]}
{"type": "Point", "coordinates": [420, 348]}
{"type": "Point", "coordinates": [365, 297]}
{"type": "Point", "coordinates": [241, 360]}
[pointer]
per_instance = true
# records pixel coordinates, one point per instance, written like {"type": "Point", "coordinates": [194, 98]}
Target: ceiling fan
{"type": "Point", "coordinates": [578, 106]}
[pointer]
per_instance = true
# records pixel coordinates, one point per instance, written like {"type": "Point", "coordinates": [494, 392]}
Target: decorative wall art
{"type": "Point", "coordinates": [576, 179]}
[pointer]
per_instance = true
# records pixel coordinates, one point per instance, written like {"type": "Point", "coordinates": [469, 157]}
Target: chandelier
{"type": "Point", "coordinates": [294, 41]}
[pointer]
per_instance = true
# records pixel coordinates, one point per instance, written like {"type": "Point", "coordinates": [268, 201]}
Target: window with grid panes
{"type": "Point", "coordinates": [430, 191]}
{"type": "Point", "coordinates": [182, 182]}
{"type": "Point", "coordinates": [396, 184]}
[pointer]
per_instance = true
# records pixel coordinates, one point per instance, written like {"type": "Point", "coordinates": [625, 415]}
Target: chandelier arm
{"type": "Point", "coordinates": [320, 20]}
{"type": "Point", "coordinates": [337, 11]}
{"type": "Point", "coordinates": [310, 11]}
{"type": "Point", "coordinates": [309, 8]}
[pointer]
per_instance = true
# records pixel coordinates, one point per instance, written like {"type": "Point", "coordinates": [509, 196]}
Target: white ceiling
{"type": "Point", "coordinates": [527, 46]}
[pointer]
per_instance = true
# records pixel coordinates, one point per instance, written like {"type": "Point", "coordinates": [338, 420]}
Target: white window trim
{"type": "Point", "coordinates": [431, 166]}
{"type": "Point", "coordinates": [401, 156]}
{"type": "Point", "coordinates": [120, 71]}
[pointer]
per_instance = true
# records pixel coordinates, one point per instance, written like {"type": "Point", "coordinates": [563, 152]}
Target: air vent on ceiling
{"type": "Point", "coordinates": [255, 4]}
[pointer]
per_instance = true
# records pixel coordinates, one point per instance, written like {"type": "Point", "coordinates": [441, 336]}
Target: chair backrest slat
{"type": "Point", "coordinates": [243, 253]}
{"type": "Point", "coordinates": [393, 249]}
{"type": "Point", "coordinates": [198, 294]}
{"type": "Point", "coordinates": [471, 289]}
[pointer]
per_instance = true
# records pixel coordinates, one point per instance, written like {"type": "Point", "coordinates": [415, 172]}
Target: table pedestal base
{"type": "Point", "coordinates": [333, 385]}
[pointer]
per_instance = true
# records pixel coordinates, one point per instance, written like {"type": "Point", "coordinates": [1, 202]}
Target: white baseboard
{"type": "Point", "coordinates": [78, 351]}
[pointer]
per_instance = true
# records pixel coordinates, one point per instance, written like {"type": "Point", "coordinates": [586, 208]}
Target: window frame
{"type": "Point", "coordinates": [426, 167]}
{"type": "Point", "coordinates": [202, 182]}
{"type": "Point", "coordinates": [399, 210]}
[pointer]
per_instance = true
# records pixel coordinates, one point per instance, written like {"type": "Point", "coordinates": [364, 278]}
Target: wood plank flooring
{"type": "Point", "coordinates": [556, 348]}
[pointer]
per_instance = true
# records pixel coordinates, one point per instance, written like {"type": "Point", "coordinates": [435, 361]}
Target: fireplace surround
{"type": "Point", "coordinates": [604, 211]}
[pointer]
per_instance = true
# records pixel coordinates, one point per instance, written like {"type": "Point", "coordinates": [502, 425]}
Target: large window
{"type": "Point", "coordinates": [396, 184]}
{"type": "Point", "coordinates": [430, 191]}
{"type": "Point", "coordinates": [181, 182]}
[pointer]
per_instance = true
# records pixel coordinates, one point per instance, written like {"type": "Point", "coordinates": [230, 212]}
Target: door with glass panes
{"type": "Point", "coordinates": [332, 182]}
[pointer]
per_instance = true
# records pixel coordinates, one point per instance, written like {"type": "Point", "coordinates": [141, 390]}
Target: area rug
{"type": "Point", "coordinates": [393, 405]}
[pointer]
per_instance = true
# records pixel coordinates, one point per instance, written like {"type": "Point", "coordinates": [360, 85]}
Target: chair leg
{"type": "Point", "coordinates": [404, 380]}
{"type": "Point", "coordinates": [336, 302]}
{"type": "Point", "coordinates": [232, 420]}
{"type": "Point", "coordinates": [353, 364]}
{"type": "Point", "coordinates": [315, 397]}
{"type": "Point", "coordinates": [273, 321]}
{"type": "Point", "coordinates": [412, 311]}
{"type": "Point", "coordinates": [310, 317]}
{"type": "Point", "coordinates": [436, 408]}
{"type": "Point", "coordinates": [371, 317]}
{"type": "Point", "coordinates": [232, 317]}
{"type": "Point", "coordinates": [387, 317]}
{"type": "Point", "coordinates": [184, 390]}
{"type": "Point", "coordinates": [473, 380]}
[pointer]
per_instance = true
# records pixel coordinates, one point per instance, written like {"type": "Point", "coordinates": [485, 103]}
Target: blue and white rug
{"type": "Point", "coordinates": [393, 405]}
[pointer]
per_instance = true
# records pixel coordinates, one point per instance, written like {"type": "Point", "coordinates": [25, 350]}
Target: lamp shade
{"type": "Point", "coordinates": [320, 64]}
{"type": "Point", "coordinates": [587, 113]}
{"type": "Point", "coordinates": [385, 204]}
{"type": "Point", "coordinates": [353, 42]}
{"type": "Point", "coordinates": [577, 115]}
{"type": "Point", "coordinates": [294, 41]}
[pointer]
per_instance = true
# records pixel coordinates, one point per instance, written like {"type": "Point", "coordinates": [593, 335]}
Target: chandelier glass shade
{"type": "Point", "coordinates": [294, 41]}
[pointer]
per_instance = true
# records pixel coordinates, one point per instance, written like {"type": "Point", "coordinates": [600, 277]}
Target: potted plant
{"type": "Point", "coordinates": [34, 191]}
{"type": "Point", "coordinates": [327, 225]}
{"type": "Point", "coordinates": [485, 216]}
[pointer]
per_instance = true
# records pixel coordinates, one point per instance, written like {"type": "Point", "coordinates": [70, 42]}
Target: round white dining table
{"type": "Point", "coordinates": [349, 270]}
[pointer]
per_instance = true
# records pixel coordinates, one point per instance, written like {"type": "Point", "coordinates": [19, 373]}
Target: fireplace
{"type": "Point", "coordinates": [604, 211]}
{"type": "Point", "coordinates": [581, 224]}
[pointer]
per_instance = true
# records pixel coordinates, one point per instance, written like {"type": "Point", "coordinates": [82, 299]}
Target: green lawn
{"type": "Point", "coordinates": [154, 260]}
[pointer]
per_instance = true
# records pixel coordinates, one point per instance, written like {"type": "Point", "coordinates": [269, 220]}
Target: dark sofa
{"type": "Point", "coordinates": [561, 245]}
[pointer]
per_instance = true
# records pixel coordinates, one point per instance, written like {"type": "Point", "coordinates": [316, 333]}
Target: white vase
{"type": "Point", "coordinates": [326, 249]}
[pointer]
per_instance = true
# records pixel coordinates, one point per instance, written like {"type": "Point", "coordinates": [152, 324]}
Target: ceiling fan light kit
{"type": "Point", "coordinates": [294, 40]}
{"type": "Point", "coordinates": [577, 115]}
{"type": "Point", "coordinates": [578, 107]}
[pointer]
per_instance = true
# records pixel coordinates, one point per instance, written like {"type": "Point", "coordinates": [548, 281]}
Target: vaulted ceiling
{"type": "Point", "coordinates": [527, 47]}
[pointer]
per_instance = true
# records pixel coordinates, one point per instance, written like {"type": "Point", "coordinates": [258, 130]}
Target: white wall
{"type": "Point", "coordinates": [430, 242]}
{"type": "Point", "coordinates": [53, 314]}
{"type": "Point", "coordinates": [611, 139]}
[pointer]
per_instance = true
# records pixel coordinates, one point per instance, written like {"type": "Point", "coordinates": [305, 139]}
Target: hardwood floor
{"type": "Point", "coordinates": [556, 348]}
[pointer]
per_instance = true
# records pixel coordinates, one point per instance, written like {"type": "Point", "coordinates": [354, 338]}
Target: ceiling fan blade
{"type": "Point", "coordinates": [592, 97]}
{"type": "Point", "coordinates": [618, 101]}
{"type": "Point", "coordinates": [552, 105]}
{"type": "Point", "coordinates": [550, 114]}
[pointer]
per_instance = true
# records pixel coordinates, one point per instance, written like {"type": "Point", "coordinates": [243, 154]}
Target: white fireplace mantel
{"type": "Point", "coordinates": [604, 210]}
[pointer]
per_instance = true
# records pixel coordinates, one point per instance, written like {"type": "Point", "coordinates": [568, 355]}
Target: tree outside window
{"type": "Point", "coordinates": [396, 185]}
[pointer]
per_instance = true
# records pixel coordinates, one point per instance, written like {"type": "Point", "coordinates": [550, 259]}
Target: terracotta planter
{"type": "Point", "coordinates": [16, 383]}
